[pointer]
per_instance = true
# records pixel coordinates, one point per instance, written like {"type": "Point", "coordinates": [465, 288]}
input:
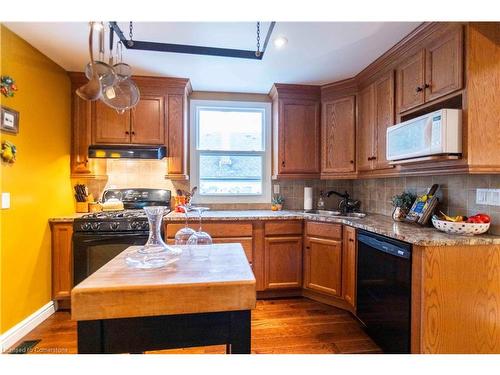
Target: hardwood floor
{"type": "Point", "coordinates": [291, 326]}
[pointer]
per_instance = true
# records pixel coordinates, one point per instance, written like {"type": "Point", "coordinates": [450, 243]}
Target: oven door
{"type": "Point", "coordinates": [93, 250]}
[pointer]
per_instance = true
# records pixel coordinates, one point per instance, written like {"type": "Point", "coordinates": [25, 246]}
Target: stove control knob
{"type": "Point", "coordinates": [135, 224]}
{"type": "Point", "coordinates": [85, 226]}
{"type": "Point", "coordinates": [96, 226]}
{"type": "Point", "coordinates": [114, 225]}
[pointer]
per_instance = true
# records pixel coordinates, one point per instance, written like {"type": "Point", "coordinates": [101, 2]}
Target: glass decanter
{"type": "Point", "coordinates": [199, 240]}
{"type": "Point", "coordinates": [155, 253]}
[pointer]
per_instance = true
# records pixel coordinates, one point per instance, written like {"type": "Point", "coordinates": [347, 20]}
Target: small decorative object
{"type": "Point", "coordinates": [155, 253]}
{"type": "Point", "coordinates": [402, 204]}
{"type": "Point", "coordinates": [7, 86]}
{"type": "Point", "coordinates": [8, 152]}
{"type": "Point", "coordinates": [277, 203]}
{"type": "Point", "coordinates": [9, 120]}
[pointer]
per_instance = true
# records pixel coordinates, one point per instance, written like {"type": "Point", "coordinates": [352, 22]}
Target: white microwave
{"type": "Point", "coordinates": [436, 133]}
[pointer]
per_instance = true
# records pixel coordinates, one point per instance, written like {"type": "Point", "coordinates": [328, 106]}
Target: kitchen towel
{"type": "Point", "coordinates": [308, 198]}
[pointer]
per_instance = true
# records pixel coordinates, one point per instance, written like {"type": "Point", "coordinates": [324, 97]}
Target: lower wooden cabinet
{"type": "Point", "coordinates": [349, 259]}
{"type": "Point", "coordinates": [283, 262]}
{"type": "Point", "coordinates": [62, 260]}
{"type": "Point", "coordinates": [323, 265]}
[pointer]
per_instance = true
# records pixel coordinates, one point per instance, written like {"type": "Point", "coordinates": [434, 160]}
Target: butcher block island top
{"type": "Point", "coordinates": [224, 282]}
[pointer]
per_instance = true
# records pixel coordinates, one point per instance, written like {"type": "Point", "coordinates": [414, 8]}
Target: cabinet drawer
{"type": "Point", "coordinates": [278, 228]}
{"type": "Point", "coordinates": [215, 229]}
{"type": "Point", "coordinates": [246, 243]}
{"type": "Point", "coordinates": [327, 230]}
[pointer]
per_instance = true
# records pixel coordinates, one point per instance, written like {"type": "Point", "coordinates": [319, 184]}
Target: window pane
{"type": "Point", "coordinates": [230, 174]}
{"type": "Point", "coordinates": [230, 130]}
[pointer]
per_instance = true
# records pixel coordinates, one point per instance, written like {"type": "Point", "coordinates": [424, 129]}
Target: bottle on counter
{"type": "Point", "coordinates": [321, 202]}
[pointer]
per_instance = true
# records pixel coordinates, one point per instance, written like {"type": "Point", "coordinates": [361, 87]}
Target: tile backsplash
{"type": "Point", "coordinates": [457, 193]}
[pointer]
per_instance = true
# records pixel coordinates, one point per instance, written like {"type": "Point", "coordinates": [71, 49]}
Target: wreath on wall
{"type": "Point", "coordinates": [7, 86]}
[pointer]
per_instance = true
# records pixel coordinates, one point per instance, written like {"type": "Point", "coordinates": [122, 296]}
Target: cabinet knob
{"type": "Point", "coordinates": [351, 240]}
{"type": "Point", "coordinates": [418, 89]}
{"type": "Point", "coordinates": [283, 163]}
{"type": "Point", "coordinates": [427, 85]}
{"type": "Point", "coordinates": [133, 133]}
{"type": "Point", "coordinates": [127, 133]}
{"type": "Point", "coordinates": [374, 158]}
{"type": "Point", "coordinates": [307, 247]}
{"type": "Point", "coordinates": [351, 161]}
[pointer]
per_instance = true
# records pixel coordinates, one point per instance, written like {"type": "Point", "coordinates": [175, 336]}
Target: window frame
{"type": "Point", "coordinates": [194, 153]}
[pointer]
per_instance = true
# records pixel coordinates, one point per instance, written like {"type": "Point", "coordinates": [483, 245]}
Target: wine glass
{"type": "Point", "coordinates": [182, 236]}
{"type": "Point", "coordinates": [198, 240]}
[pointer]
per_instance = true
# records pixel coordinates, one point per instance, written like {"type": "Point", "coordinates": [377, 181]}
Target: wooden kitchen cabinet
{"type": "Point", "coordinates": [411, 82]}
{"type": "Point", "coordinates": [62, 259]}
{"type": "Point", "coordinates": [147, 121]}
{"type": "Point", "coordinates": [376, 114]}
{"type": "Point", "coordinates": [349, 266]}
{"type": "Point", "coordinates": [434, 71]}
{"type": "Point", "coordinates": [160, 118]}
{"type": "Point", "coordinates": [296, 129]}
{"type": "Point", "coordinates": [283, 262]}
{"type": "Point", "coordinates": [338, 136]}
{"type": "Point", "coordinates": [366, 129]}
{"type": "Point", "coordinates": [323, 265]}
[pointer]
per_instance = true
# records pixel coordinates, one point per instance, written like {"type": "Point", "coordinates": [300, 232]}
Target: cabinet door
{"type": "Point", "coordinates": [366, 129]}
{"type": "Point", "coordinates": [349, 266]}
{"type": "Point", "coordinates": [299, 137]}
{"type": "Point", "coordinates": [384, 116]}
{"type": "Point", "coordinates": [282, 262]}
{"type": "Point", "coordinates": [148, 121]}
{"type": "Point", "coordinates": [338, 136]}
{"type": "Point", "coordinates": [323, 268]}
{"type": "Point", "coordinates": [177, 138]}
{"type": "Point", "coordinates": [62, 260]}
{"type": "Point", "coordinates": [109, 126]}
{"type": "Point", "coordinates": [444, 65]}
{"type": "Point", "coordinates": [81, 135]}
{"type": "Point", "coordinates": [410, 84]}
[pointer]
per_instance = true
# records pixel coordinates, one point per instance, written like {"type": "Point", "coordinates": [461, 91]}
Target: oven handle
{"type": "Point", "coordinates": [385, 247]}
{"type": "Point", "coordinates": [99, 236]}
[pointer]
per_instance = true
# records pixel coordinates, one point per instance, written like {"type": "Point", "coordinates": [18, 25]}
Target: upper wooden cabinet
{"type": "Point", "coordinates": [160, 118]}
{"type": "Point", "coordinates": [376, 114]}
{"type": "Point", "coordinates": [338, 136]}
{"type": "Point", "coordinates": [296, 131]}
{"type": "Point", "coordinates": [432, 72]}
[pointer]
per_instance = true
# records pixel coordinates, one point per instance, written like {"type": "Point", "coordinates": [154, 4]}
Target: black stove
{"type": "Point", "coordinates": [132, 218]}
{"type": "Point", "coordinates": [99, 237]}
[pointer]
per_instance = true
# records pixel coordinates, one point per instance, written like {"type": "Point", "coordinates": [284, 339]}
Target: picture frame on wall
{"type": "Point", "coordinates": [9, 120]}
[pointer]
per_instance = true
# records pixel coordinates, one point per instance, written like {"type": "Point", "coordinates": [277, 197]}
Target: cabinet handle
{"type": "Point", "coordinates": [351, 240]}
{"type": "Point", "coordinates": [374, 158]}
{"type": "Point", "coordinates": [427, 85]}
{"type": "Point", "coordinates": [418, 89]}
{"type": "Point", "coordinates": [283, 163]}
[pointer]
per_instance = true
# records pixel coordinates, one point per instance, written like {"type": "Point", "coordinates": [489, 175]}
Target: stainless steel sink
{"type": "Point", "coordinates": [350, 215]}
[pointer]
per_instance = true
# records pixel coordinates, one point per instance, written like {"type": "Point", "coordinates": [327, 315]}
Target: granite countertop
{"type": "Point", "coordinates": [384, 225]}
{"type": "Point", "coordinates": [66, 218]}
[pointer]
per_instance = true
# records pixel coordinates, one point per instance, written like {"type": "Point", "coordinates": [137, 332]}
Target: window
{"type": "Point", "coordinates": [230, 151]}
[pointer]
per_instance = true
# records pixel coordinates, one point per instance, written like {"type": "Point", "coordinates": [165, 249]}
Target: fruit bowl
{"type": "Point", "coordinates": [467, 229]}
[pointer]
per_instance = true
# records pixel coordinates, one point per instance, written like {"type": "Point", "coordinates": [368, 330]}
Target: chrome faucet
{"type": "Point", "coordinates": [346, 204]}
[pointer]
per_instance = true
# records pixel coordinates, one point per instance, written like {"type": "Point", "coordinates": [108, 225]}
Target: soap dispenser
{"type": "Point", "coordinates": [321, 201]}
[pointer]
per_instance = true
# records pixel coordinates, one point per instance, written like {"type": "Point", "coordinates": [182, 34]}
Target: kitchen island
{"type": "Point", "coordinates": [190, 303]}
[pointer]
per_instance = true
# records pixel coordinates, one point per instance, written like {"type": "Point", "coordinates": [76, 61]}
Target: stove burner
{"type": "Point", "coordinates": [116, 214]}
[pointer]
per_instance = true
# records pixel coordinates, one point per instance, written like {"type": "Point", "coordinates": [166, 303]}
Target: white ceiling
{"type": "Point", "coordinates": [316, 53]}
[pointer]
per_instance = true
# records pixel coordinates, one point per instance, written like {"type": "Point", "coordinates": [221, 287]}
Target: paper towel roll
{"type": "Point", "coordinates": [308, 198]}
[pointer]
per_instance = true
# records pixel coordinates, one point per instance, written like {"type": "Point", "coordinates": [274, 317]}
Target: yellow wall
{"type": "Point", "coordinates": [39, 182]}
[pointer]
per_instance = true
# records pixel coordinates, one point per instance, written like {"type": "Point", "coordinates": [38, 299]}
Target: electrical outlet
{"type": "Point", "coordinates": [481, 196]}
{"type": "Point", "coordinates": [5, 200]}
{"type": "Point", "coordinates": [276, 189]}
{"type": "Point", "coordinates": [494, 197]}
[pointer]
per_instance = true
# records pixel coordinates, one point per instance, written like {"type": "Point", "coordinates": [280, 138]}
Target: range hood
{"type": "Point", "coordinates": [127, 152]}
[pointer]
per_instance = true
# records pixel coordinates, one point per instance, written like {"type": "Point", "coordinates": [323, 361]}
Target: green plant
{"type": "Point", "coordinates": [404, 200]}
{"type": "Point", "coordinates": [277, 199]}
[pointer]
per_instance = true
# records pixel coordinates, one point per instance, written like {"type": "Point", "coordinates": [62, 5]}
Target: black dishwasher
{"type": "Point", "coordinates": [384, 290]}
